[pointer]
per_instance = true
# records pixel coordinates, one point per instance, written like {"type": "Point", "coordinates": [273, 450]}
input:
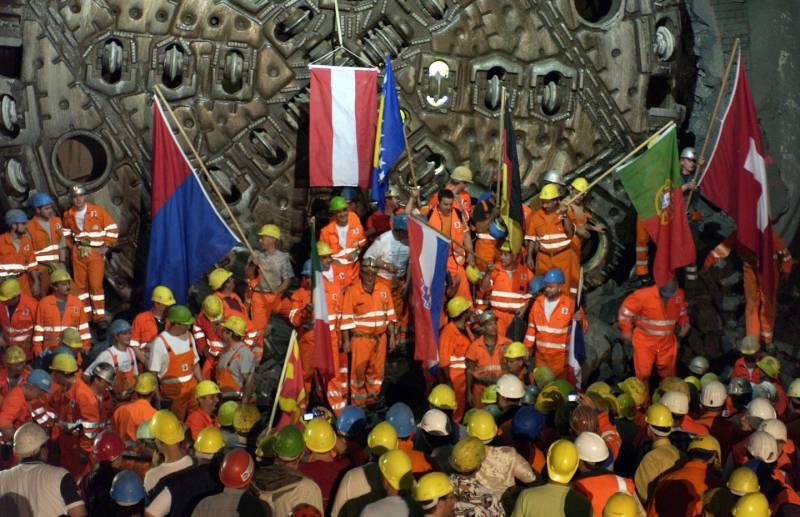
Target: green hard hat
{"type": "Point", "coordinates": [288, 444]}
{"type": "Point", "coordinates": [180, 314]}
{"type": "Point", "coordinates": [543, 376]}
{"type": "Point", "coordinates": [143, 432]}
{"type": "Point", "coordinates": [564, 387]}
{"type": "Point", "coordinates": [338, 203]}
{"type": "Point", "coordinates": [225, 413]}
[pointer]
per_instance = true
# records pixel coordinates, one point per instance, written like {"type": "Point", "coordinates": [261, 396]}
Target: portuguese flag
{"type": "Point", "coordinates": [653, 182]}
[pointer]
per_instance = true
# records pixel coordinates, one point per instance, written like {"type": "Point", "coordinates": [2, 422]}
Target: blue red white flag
{"type": "Point", "coordinates": [187, 234]}
{"type": "Point", "coordinates": [428, 262]}
{"type": "Point", "coordinates": [576, 354]}
{"type": "Point", "coordinates": [389, 139]}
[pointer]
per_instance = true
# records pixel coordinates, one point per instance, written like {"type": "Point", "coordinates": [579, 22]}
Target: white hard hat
{"type": "Point", "coordinates": [28, 439]}
{"type": "Point", "coordinates": [761, 408]}
{"type": "Point", "coordinates": [688, 152]}
{"type": "Point", "coordinates": [591, 447]}
{"type": "Point", "coordinates": [676, 401]}
{"type": "Point", "coordinates": [775, 428]}
{"type": "Point", "coordinates": [698, 365]}
{"type": "Point", "coordinates": [794, 389]}
{"type": "Point", "coordinates": [434, 422]}
{"type": "Point", "coordinates": [763, 446]}
{"type": "Point", "coordinates": [554, 176]}
{"type": "Point", "coordinates": [713, 394]}
{"type": "Point", "coordinates": [510, 387]}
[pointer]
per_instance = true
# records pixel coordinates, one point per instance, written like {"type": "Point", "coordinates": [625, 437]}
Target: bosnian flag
{"type": "Point", "coordinates": [342, 120]}
{"type": "Point", "coordinates": [428, 262]}
{"type": "Point", "coordinates": [187, 234]}
{"type": "Point", "coordinates": [322, 358]}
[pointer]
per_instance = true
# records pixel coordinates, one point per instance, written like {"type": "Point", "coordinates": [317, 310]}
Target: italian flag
{"type": "Point", "coordinates": [322, 359]}
{"type": "Point", "coordinates": [653, 182]}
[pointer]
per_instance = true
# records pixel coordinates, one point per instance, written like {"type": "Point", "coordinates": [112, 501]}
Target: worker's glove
{"type": "Point", "coordinates": [84, 251]}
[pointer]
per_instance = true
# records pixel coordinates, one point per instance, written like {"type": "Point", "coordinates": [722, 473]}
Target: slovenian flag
{"type": "Point", "coordinates": [187, 234]}
{"type": "Point", "coordinates": [428, 262]}
{"type": "Point", "coordinates": [322, 358]}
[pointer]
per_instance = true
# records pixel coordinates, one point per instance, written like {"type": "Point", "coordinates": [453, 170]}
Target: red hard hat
{"type": "Point", "coordinates": [107, 446]}
{"type": "Point", "coordinates": [237, 469]}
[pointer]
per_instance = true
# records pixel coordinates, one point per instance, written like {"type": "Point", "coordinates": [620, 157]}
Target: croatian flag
{"type": "Point", "coordinates": [187, 234]}
{"type": "Point", "coordinates": [428, 262]}
{"type": "Point", "coordinates": [342, 119]}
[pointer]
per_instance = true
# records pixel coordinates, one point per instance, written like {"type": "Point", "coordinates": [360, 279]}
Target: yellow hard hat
{"type": "Point", "coordinates": [236, 325]}
{"type": "Point", "coordinates": [794, 389]}
{"type": "Point", "coordinates": [549, 191]}
{"type": "Point", "coordinates": [206, 388]}
{"type": "Point", "coordinates": [270, 230]}
{"type": "Point", "coordinates": [14, 355]}
{"type": "Point", "coordinates": [749, 345]}
{"type": "Point", "coordinates": [9, 289]}
{"type": "Point", "coordinates": [461, 173]}
{"type": "Point", "coordinates": [693, 381]}
{"type": "Point", "coordinates": [431, 487]}
{"type": "Point", "coordinates": [212, 308]}
{"type": "Point", "coordinates": [627, 406]}
{"type": "Point", "coordinates": [620, 504]}
{"type": "Point", "coordinates": [634, 387]}
{"type": "Point", "coordinates": [473, 274]}
{"type": "Point", "coordinates": [457, 305]}
{"type": "Point", "coordinates": [708, 377]}
{"type": "Point", "coordinates": [60, 275]}
{"type": "Point", "coordinates": [209, 441]}
{"type": "Point", "coordinates": [324, 249]}
{"type": "Point", "coordinates": [612, 403]}
{"type": "Point", "coordinates": [246, 416]}
{"type": "Point", "coordinates": [382, 438]}
{"type": "Point", "coordinates": [675, 384]}
{"type": "Point", "coordinates": [752, 505]}
{"type": "Point", "coordinates": [319, 435]}
{"type": "Point", "coordinates": [442, 396]}
{"type": "Point", "coordinates": [743, 481]}
{"type": "Point", "coordinates": [467, 455]}
{"type": "Point", "coordinates": [489, 395]}
{"type": "Point", "coordinates": [506, 246]}
{"type": "Point", "coordinates": [580, 184]}
{"type": "Point", "coordinates": [226, 412]}
{"type": "Point", "coordinates": [166, 427]}
{"type": "Point", "coordinates": [707, 443]}
{"type": "Point", "coordinates": [549, 399]}
{"type": "Point", "coordinates": [146, 383]}
{"type": "Point", "coordinates": [599, 387]}
{"type": "Point", "coordinates": [659, 415]}
{"type": "Point", "coordinates": [516, 350]}
{"type": "Point", "coordinates": [482, 426]}
{"type": "Point", "coordinates": [163, 295]}
{"type": "Point", "coordinates": [562, 461]}
{"type": "Point", "coordinates": [395, 466]}
{"type": "Point", "coordinates": [71, 337]}
{"type": "Point", "coordinates": [218, 277]}
{"type": "Point", "coordinates": [770, 365]}
{"type": "Point", "coordinates": [64, 362]}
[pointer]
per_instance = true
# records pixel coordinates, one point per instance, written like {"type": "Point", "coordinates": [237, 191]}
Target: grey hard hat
{"type": "Point", "coordinates": [77, 190]}
{"type": "Point", "coordinates": [688, 153]}
{"type": "Point", "coordinates": [104, 371]}
{"type": "Point", "coordinates": [554, 176]}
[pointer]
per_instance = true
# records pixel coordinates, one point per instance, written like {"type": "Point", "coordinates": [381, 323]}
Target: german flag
{"type": "Point", "coordinates": [511, 187]}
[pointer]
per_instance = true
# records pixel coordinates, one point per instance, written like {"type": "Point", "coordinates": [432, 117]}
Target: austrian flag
{"type": "Point", "coordinates": [342, 120]}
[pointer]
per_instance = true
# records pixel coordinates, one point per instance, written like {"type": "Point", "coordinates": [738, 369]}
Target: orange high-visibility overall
{"type": "Point", "coordinates": [453, 345]}
{"type": "Point", "coordinates": [50, 322]}
{"type": "Point", "coordinates": [550, 336]}
{"type": "Point", "coordinates": [508, 294]}
{"type": "Point", "coordinates": [455, 227]}
{"type": "Point", "coordinates": [17, 328]}
{"type": "Point", "coordinates": [555, 247]}
{"type": "Point", "coordinates": [17, 260]}
{"type": "Point", "coordinates": [486, 364]}
{"type": "Point", "coordinates": [344, 267]}
{"type": "Point", "coordinates": [46, 237]}
{"type": "Point", "coordinates": [178, 381]}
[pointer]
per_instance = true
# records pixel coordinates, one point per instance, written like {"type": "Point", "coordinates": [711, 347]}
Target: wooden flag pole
{"type": "Point", "coordinates": [281, 380]}
{"type": "Point", "coordinates": [713, 122]}
{"type": "Point", "coordinates": [619, 162]}
{"type": "Point", "coordinates": [411, 164]}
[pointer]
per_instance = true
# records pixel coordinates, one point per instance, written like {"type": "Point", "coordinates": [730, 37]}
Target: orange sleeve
{"type": "Point", "coordinates": [13, 410]}
{"type": "Point", "coordinates": [90, 419]}
{"type": "Point", "coordinates": [38, 330]}
{"type": "Point", "coordinates": [297, 313]}
{"type": "Point", "coordinates": [609, 433]}
{"type": "Point", "coordinates": [347, 320]}
{"type": "Point", "coordinates": [445, 347]}
{"type": "Point", "coordinates": [195, 425]}
{"type": "Point", "coordinates": [631, 306]}
{"type": "Point", "coordinates": [390, 307]}
{"type": "Point", "coordinates": [109, 226]}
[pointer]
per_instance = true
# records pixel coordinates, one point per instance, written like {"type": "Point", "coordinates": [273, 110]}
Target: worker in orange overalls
{"type": "Point", "coordinates": [121, 356]}
{"type": "Point", "coordinates": [16, 408]}
{"type": "Point", "coordinates": [454, 340]}
{"type": "Point", "coordinates": [207, 334]}
{"type": "Point", "coordinates": [338, 388]}
{"type": "Point", "coordinates": [550, 324]}
{"type": "Point", "coordinates": [484, 359]}
{"type": "Point", "coordinates": [236, 366]}
{"type": "Point", "coordinates": [45, 230]}
{"type": "Point", "coordinates": [345, 235]}
{"type": "Point", "coordinates": [129, 416]}
{"type": "Point", "coordinates": [485, 244]}
{"type": "Point", "coordinates": [150, 323]}
{"type": "Point", "coordinates": [223, 285]}
{"type": "Point", "coordinates": [13, 370]}
{"type": "Point", "coordinates": [506, 285]}
{"type": "Point", "coordinates": [367, 317]}
{"type": "Point", "coordinates": [759, 310]}
{"type": "Point", "coordinates": [207, 394]}
{"type": "Point", "coordinates": [549, 236]}
{"type": "Point", "coordinates": [745, 366]}
{"type": "Point", "coordinates": [460, 179]}
{"type": "Point", "coordinates": [89, 232]}
{"type": "Point", "coordinates": [57, 312]}
{"type": "Point", "coordinates": [649, 318]}
{"type": "Point", "coordinates": [583, 219]}
{"type": "Point", "coordinates": [17, 314]}
{"type": "Point", "coordinates": [79, 413]}
{"type": "Point", "coordinates": [17, 259]}
{"type": "Point", "coordinates": [174, 359]}
{"type": "Point", "coordinates": [301, 317]}
{"type": "Point", "coordinates": [452, 222]}
{"type": "Point", "coordinates": [270, 271]}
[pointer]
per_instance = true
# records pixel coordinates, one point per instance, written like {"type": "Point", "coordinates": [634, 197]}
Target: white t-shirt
{"type": "Point", "coordinates": [156, 474]}
{"type": "Point", "coordinates": [80, 215]}
{"type": "Point", "coordinates": [342, 232]}
{"type": "Point", "coordinates": [159, 358]}
{"type": "Point", "coordinates": [121, 360]}
{"type": "Point", "coordinates": [388, 249]}
{"type": "Point", "coordinates": [549, 307]}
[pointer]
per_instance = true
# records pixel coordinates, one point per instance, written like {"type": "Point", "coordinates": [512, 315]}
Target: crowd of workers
{"type": "Point", "coordinates": [162, 419]}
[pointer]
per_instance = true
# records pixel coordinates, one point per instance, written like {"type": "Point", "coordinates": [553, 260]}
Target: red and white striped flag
{"type": "Point", "coordinates": [342, 122]}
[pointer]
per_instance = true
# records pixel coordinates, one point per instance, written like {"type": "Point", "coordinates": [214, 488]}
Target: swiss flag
{"type": "Point", "coordinates": [736, 180]}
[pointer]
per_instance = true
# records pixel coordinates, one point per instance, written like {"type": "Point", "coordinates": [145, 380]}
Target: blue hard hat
{"type": "Point", "coordinates": [127, 489]}
{"type": "Point", "coordinates": [349, 193]}
{"type": "Point", "coordinates": [40, 379]}
{"type": "Point", "coordinates": [63, 350]}
{"type": "Point", "coordinates": [306, 271]}
{"type": "Point", "coordinates": [402, 419]}
{"type": "Point", "coordinates": [352, 421]}
{"type": "Point", "coordinates": [668, 290]}
{"type": "Point", "coordinates": [536, 285]}
{"type": "Point", "coordinates": [497, 229]}
{"type": "Point", "coordinates": [400, 222]}
{"type": "Point", "coordinates": [527, 423]}
{"type": "Point", "coordinates": [40, 199]}
{"type": "Point", "coordinates": [16, 216]}
{"type": "Point", "coordinates": [554, 275]}
{"type": "Point", "coordinates": [119, 326]}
